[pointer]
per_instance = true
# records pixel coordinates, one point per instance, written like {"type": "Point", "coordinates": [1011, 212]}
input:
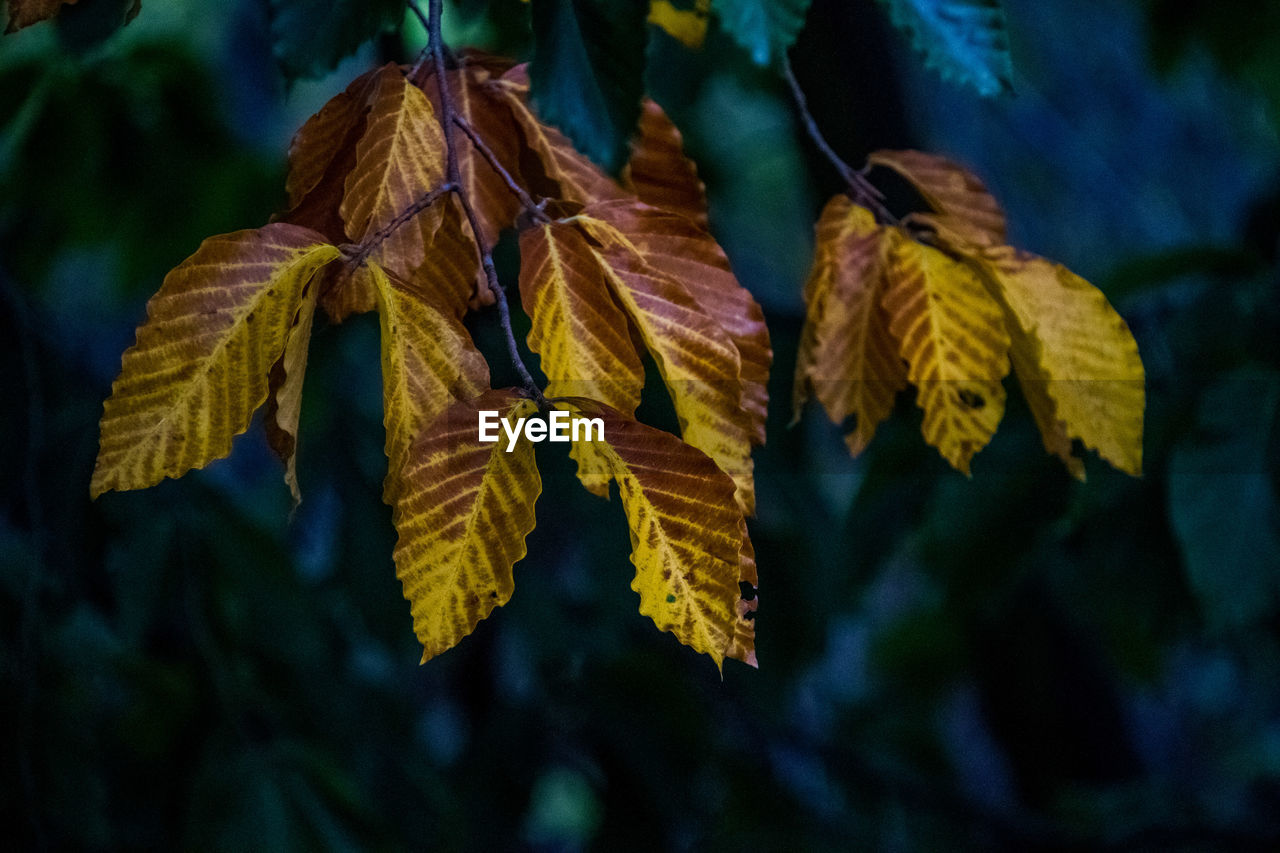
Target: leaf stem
{"type": "Point", "coordinates": [535, 209]}
{"type": "Point", "coordinates": [862, 190]}
{"type": "Point", "coordinates": [447, 122]}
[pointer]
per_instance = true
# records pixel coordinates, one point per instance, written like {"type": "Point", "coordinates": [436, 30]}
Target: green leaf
{"type": "Point", "coordinates": [764, 28]}
{"type": "Point", "coordinates": [1223, 503]}
{"type": "Point", "coordinates": [587, 73]}
{"type": "Point", "coordinates": [309, 37]}
{"type": "Point", "coordinates": [964, 40]}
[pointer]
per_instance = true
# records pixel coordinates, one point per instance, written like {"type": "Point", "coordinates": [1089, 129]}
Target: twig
{"type": "Point", "coordinates": [436, 46]}
{"type": "Point", "coordinates": [864, 192]}
{"type": "Point", "coordinates": [377, 238]}
{"type": "Point", "coordinates": [425, 55]}
{"type": "Point", "coordinates": [534, 208]}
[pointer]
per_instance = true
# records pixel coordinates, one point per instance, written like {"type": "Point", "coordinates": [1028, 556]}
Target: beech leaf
{"type": "Point", "coordinates": [199, 369]}
{"type": "Point", "coordinates": [764, 28]}
{"type": "Point", "coordinates": [848, 358]}
{"type": "Point", "coordinates": [964, 40]}
{"type": "Point", "coordinates": [284, 398]}
{"type": "Point", "coordinates": [953, 191]}
{"type": "Point", "coordinates": [688, 537]}
{"type": "Point", "coordinates": [462, 512]}
{"type": "Point", "coordinates": [952, 334]}
{"type": "Point", "coordinates": [24, 13]}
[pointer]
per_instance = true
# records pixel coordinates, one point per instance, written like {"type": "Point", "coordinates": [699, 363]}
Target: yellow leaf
{"type": "Point", "coordinates": [952, 334]}
{"type": "Point", "coordinates": [952, 190]}
{"type": "Point", "coordinates": [687, 26]}
{"type": "Point", "coordinates": [428, 363]}
{"type": "Point", "coordinates": [696, 356]}
{"type": "Point", "coordinates": [284, 400]}
{"type": "Point", "coordinates": [687, 533]}
{"type": "Point", "coordinates": [199, 368]}
{"type": "Point", "coordinates": [462, 514]}
{"type": "Point", "coordinates": [848, 359]}
{"type": "Point", "coordinates": [578, 330]}
{"type": "Point", "coordinates": [1075, 356]}
{"type": "Point", "coordinates": [400, 158]}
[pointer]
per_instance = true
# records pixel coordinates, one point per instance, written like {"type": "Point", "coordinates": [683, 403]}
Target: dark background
{"type": "Point", "coordinates": [1013, 661]}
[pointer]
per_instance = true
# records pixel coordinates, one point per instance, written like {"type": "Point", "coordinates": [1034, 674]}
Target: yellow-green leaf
{"type": "Point", "coordinates": [400, 159]}
{"type": "Point", "coordinates": [952, 334]}
{"type": "Point", "coordinates": [687, 532]}
{"type": "Point", "coordinates": [199, 368]}
{"type": "Point", "coordinates": [578, 329]}
{"type": "Point", "coordinates": [428, 363]}
{"type": "Point", "coordinates": [848, 358]}
{"type": "Point", "coordinates": [462, 515]}
{"type": "Point", "coordinates": [1075, 356]}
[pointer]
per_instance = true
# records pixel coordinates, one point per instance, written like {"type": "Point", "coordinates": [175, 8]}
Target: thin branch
{"type": "Point", "coordinates": [437, 48]}
{"type": "Point", "coordinates": [864, 192]}
{"type": "Point", "coordinates": [534, 208]}
{"type": "Point", "coordinates": [377, 238]}
{"type": "Point", "coordinates": [416, 74]}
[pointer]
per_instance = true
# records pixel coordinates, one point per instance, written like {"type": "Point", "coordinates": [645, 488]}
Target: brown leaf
{"type": "Point", "coordinates": [658, 171]}
{"type": "Point", "coordinates": [952, 190]}
{"type": "Point", "coordinates": [399, 159]}
{"type": "Point", "coordinates": [284, 395]}
{"type": "Point", "coordinates": [848, 358]}
{"type": "Point", "coordinates": [24, 13]}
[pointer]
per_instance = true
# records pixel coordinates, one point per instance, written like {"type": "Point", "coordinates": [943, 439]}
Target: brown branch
{"type": "Point", "coordinates": [447, 121]}
{"type": "Point", "coordinates": [376, 239]}
{"type": "Point", "coordinates": [534, 208]}
{"type": "Point", "coordinates": [861, 189]}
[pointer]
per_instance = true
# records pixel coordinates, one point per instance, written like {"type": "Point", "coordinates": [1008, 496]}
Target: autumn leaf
{"type": "Point", "coordinates": [399, 159]}
{"type": "Point", "coordinates": [672, 245]}
{"type": "Point", "coordinates": [957, 194]}
{"type": "Point", "coordinates": [697, 357]}
{"type": "Point", "coordinates": [462, 512]}
{"type": "Point", "coordinates": [658, 171]}
{"type": "Point", "coordinates": [951, 333]}
{"type": "Point", "coordinates": [284, 397]}
{"type": "Point", "coordinates": [687, 26]}
{"type": "Point", "coordinates": [199, 368]}
{"type": "Point", "coordinates": [1076, 358]}
{"type": "Point", "coordinates": [577, 328]}
{"type": "Point", "coordinates": [688, 536]}
{"type": "Point", "coordinates": [24, 13]}
{"type": "Point", "coordinates": [428, 363]}
{"type": "Point", "coordinates": [848, 358]}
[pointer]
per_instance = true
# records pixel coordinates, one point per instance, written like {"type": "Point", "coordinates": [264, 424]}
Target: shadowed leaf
{"type": "Point", "coordinates": [24, 13]}
{"type": "Point", "coordinates": [953, 191]}
{"type": "Point", "coordinates": [284, 399]}
{"type": "Point", "coordinates": [964, 40]}
{"type": "Point", "coordinates": [764, 28]}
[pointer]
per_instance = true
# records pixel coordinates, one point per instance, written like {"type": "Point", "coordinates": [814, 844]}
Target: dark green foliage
{"type": "Point", "coordinates": [587, 72]}
{"type": "Point", "coordinates": [309, 37]}
{"type": "Point", "coordinates": [766, 29]}
{"type": "Point", "coordinates": [964, 40]}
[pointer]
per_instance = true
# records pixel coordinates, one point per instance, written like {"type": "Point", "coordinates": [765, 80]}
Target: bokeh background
{"type": "Point", "coordinates": [1014, 661]}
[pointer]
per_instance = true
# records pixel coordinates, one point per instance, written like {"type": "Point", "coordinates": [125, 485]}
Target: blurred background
{"type": "Point", "coordinates": [1014, 661]}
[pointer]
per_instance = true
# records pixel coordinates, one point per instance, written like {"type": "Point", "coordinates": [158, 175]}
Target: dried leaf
{"type": "Point", "coordinates": [24, 13]}
{"type": "Point", "coordinates": [199, 368]}
{"type": "Point", "coordinates": [462, 513]}
{"type": "Point", "coordinates": [284, 398]}
{"type": "Point", "coordinates": [848, 358]}
{"type": "Point", "coordinates": [952, 190]}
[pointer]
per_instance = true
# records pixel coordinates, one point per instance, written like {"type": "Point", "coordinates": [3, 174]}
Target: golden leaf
{"type": "Point", "coordinates": [952, 334]}
{"type": "Point", "coordinates": [199, 368]}
{"type": "Point", "coordinates": [952, 190]}
{"type": "Point", "coordinates": [1076, 358]}
{"type": "Point", "coordinates": [687, 533]}
{"type": "Point", "coordinates": [399, 159]}
{"type": "Point", "coordinates": [848, 359]}
{"type": "Point", "coordinates": [697, 358]}
{"type": "Point", "coordinates": [687, 26]}
{"type": "Point", "coordinates": [462, 514]}
{"type": "Point", "coordinates": [428, 363]}
{"type": "Point", "coordinates": [577, 328]}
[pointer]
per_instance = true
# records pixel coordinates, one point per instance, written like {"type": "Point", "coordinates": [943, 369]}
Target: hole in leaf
{"type": "Point", "coordinates": [971, 399]}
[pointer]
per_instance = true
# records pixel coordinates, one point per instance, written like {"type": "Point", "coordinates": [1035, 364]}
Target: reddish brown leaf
{"type": "Point", "coordinates": [24, 13]}
{"type": "Point", "coordinates": [950, 189]}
